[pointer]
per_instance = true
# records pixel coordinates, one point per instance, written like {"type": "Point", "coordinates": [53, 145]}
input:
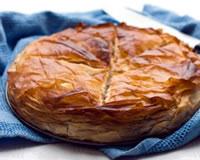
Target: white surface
{"type": "Point", "coordinates": [73, 152]}
{"type": "Point", "coordinates": [50, 152]}
{"type": "Point", "coordinates": [133, 18]}
{"type": "Point", "coordinates": [190, 7]}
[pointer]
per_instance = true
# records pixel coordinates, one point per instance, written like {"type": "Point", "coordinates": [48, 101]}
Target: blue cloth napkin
{"type": "Point", "coordinates": [17, 30]}
{"type": "Point", "coordinates": [185, 24]}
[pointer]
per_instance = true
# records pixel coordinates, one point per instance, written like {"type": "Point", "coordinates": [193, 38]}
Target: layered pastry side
{"type": "Point", "coordinates": [106, 83]}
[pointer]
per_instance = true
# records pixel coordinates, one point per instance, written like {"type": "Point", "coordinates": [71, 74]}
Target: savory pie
{"type": "Point", "coordinates": [106, 83]}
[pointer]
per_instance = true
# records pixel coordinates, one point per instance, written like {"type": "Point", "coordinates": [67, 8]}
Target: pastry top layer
{"type": "Point", "coordinates": [105, 70]}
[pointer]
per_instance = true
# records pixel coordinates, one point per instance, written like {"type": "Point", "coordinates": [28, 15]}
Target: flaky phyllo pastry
{"type": "Point", "coordinates": [106, 83]}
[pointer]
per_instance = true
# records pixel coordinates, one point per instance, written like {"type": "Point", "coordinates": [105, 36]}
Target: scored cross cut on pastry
{"type": "Point", "coordinates": [106, 83]}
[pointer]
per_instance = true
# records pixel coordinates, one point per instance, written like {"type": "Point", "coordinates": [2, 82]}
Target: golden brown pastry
{"type": "Point", "coordinates": [106, 83]}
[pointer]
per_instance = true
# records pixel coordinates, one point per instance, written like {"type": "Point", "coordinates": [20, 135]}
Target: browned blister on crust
{"type": "Point", "coordinates": [106, 83]}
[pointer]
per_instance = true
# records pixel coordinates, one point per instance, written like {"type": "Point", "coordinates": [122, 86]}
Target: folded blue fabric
{"type": "Point", "coordinates": [185, 24]}
{"type": "Point", "coordinates": [17, 30]}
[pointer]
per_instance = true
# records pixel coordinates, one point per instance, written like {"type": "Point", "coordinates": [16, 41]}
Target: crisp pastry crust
{"type": "Point", "coordinates": [106, 83]}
